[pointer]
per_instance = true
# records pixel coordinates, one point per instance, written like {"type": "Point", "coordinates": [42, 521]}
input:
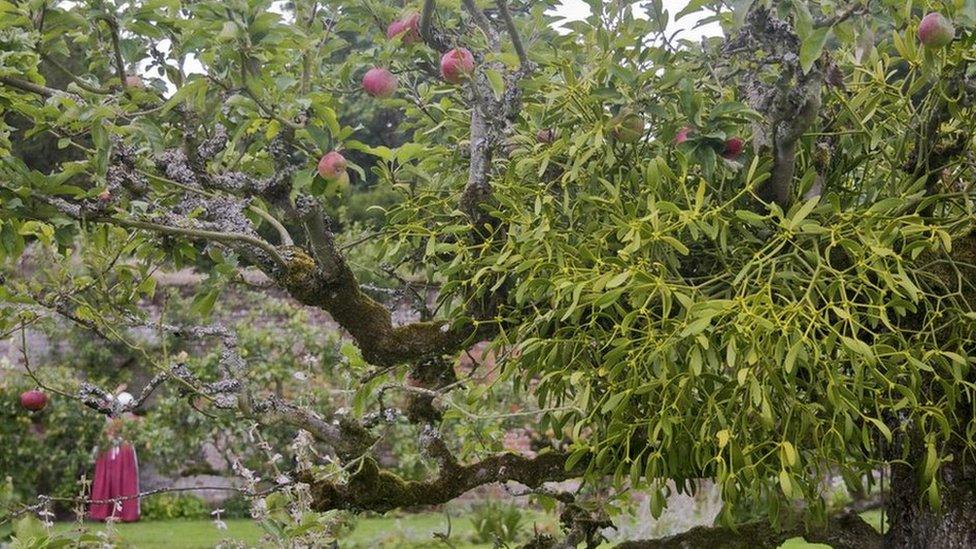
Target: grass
{"type": "Point", "coordinates": [191, 534]}
{"type": "Point", "coordinates": [394, 531]}
{"type": "Point", "coordinates": [379, 532]}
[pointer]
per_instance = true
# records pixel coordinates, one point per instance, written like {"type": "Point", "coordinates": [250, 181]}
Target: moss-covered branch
{"type": "Point", "coordinates": [366, 320]}
{"type": "Point", "coordinates": [844, 531]}
{"type": "Point", "coordinates": [373, 489]}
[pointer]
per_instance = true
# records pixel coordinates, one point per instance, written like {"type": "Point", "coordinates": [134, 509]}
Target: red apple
{"type": "Point", "coordinates": [547, 135]}
{"type": "Point", "coordinates": [394, 29]}
{"type": "Point", "coordinates": [456, 65]}
{"type": "Point", "coordinates": [133, 81]}
{"type": "Point", "coordinates": [408, 28]}
{"type": "Point", "coordinates": [628, 126]}
{"type": "Point", "coordinates": [379, 82]}
{"type": "Point", "coordinates": [935, 31]}
{"type": "Point", "coordinates": [683, 135]}
{"type": "Point", "coordinates": [33, 400]}
{"type": "Point", "coordinates": [733, 148]}
{"type": "Point", "coordinates": [411, 26]}
{"type": "Point", "coordinates": [332, 167]}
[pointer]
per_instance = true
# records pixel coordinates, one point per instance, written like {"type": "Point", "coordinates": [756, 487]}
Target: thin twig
{"type": "Point", "coordinates": [24, 85]}
{"type": "Point", "coordinates": [199, 233]}
{"type": "Point", "coordinates": [482, 22]}
{"type": "Point", "coordinates": [113, 26]}
{"type": "Point", "coordinates": [844, 15]}
{"type": "Point", "coordinates": [30, 372]}
{"type": "Point", "coordinates": [513, 32]}
{"type": "Point", "coordinates": [74, 78]}
{"type": "Point", "coordinates": [286, 239]}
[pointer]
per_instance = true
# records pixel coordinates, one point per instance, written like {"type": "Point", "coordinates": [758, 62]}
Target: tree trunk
{"type": "Point", "coordinates": [915, 525]}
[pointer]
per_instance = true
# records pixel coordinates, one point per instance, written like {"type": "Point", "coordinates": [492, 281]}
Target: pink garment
{"type": "Point", "coordinates": [116, 476]}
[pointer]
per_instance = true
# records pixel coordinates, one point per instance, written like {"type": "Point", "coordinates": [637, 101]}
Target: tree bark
{"type": "Point", "coordinates": [844, 531]}
{"type": "Point", "coordinates": [915, 525]}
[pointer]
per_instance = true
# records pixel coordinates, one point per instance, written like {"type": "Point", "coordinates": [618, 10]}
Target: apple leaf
{"type": "Point", "coordinates": [812, 47]}
{"type": "Point", "coordinates": [496, 82]}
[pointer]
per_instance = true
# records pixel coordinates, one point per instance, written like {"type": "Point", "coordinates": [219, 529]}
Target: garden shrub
{"type": "Point", "coordinates": [236, 507]}
{"type": "Point", "coordinates": [496, 522]}
{"type": "Point", "coordinates": [168, 506]}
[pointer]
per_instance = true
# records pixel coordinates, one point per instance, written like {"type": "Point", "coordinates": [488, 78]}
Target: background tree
{"type": "Point", "coordinates": [748, 259]}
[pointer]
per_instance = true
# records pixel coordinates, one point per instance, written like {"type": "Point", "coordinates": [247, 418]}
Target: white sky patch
{"type": "Point", "coordinates": [577, 10]}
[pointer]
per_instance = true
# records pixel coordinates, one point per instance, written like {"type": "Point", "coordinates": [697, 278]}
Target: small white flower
{"type": "Point", "coordinates": [259, 509]}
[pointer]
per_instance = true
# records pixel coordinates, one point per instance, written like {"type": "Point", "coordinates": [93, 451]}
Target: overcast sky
{"type": "Point", "coordinates": [577, 9]}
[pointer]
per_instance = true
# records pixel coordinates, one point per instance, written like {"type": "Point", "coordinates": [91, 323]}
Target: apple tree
{"type": "Point", "coordinates": [747, 258]}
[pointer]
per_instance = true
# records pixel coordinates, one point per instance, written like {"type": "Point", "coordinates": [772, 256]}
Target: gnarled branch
{"type": "Point", "coordinates": [372, 489]}
{"type": "Point", "coordinates": [367, 320]}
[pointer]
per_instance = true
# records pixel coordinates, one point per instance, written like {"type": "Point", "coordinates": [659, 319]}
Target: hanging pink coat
{"type": "Point", "coordinates": [116, 476]}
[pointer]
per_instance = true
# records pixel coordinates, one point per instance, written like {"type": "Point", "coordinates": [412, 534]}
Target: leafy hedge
{"type": "Point", "coordinates": [45, 452]}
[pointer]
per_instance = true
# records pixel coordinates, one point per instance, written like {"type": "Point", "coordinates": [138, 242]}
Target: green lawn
{"type": "Point", "coordinates": [193, 534]}
{"type": "Point", "coordinates": [373, 533]}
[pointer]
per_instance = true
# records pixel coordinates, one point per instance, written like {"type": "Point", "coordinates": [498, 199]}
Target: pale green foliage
{"type": "Point", "coordinates": [691, 336]}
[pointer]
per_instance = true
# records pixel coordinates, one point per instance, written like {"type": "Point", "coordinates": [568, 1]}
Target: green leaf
{"type": "Point", "coordinates": [788, 453]}
{"type": "Point", "coordinates": [790, 363]}
{"type": "Point", "coordinates": [496, 82]}
{"type": "Point", "coordinates": [575, 458]}
{"type": "Point", "coordinates": [693, 6]}
{"type": "Point", "coordinates": [812, 47]}
{"type": "Point", "coordinates": [615, 401]}
{"type": "Point", "coordinates": [618, 280]}
{"type": "Point", "coordinates": [696, 327]}
{"type": "Point", "coordinates": [739, 10]}
{"type": "Point", "coordinates": [203, 303]}
{"type": "Point", "coordinates": [29, 528]}
{"type": "Point", "coordinates": [102, 146]}
{"type": "Point", "coordinates": [723, 437]}
{"type": "Point", "coordinates": [676, 244]}
{"type": "Point", "coordinates": [859, 347]}
{"type": "Point", "coordinates": [785, 483]}
{"type": "Point", "coordinates": [885, 431]}
{"type": "Point", "coordinates": [187, 91]}
{"type": "Point", "coordinates": [803, 212]}
{"type": "Point", "coordinates": [608, 298]}
{"type": "Point", "coordinates": [750, 217]}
